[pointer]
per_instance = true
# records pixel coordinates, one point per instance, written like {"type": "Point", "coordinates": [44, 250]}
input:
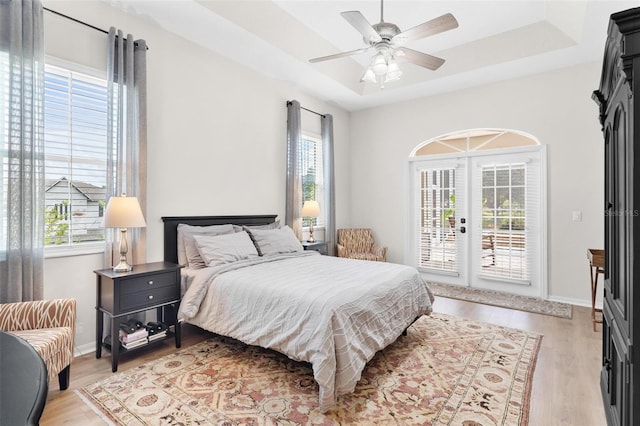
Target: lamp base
{"type": "Point", "coordinates": [123, 266]}
{"type": "Point", "coordinates": [311, 239]}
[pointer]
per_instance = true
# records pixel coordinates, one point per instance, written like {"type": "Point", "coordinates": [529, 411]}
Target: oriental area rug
{"type": "Point", "coordinates": [503, 300]}
{"type": "Point", "coordinates": [446, 371]}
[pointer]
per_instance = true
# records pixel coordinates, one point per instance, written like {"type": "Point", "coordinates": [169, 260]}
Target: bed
{"type": "Point", "coordinates": [333, 313]}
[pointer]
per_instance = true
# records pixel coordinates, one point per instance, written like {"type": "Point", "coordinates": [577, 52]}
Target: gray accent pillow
{"type": "Point", "coordinates": [187, 250]}
{"type": "Point", "coordinates": [275, 241]}
{"type": "Point", "coordinates": [248, 228]}
{"type": "Point", "coordinates": [227, 248]}
{"type": "Point", "coordinates": [272, 225]}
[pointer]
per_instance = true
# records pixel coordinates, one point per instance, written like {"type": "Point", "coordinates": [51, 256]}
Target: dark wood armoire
{"type": "Point", "coordinates": [619, 101]}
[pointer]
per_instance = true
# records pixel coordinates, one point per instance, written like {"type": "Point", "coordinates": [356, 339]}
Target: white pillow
{"type": "Point", "coordinates": [187, 250]}
{"type": "Point", "coordinates": [228, 248]}
{"type": "Point", "coordinates": [274, 241]}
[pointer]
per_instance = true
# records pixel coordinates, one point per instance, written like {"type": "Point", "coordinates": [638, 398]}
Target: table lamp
{"type": "Point", "coordinates": [310, 209]}
{"type": "Point", "coordinates": [123, 212]}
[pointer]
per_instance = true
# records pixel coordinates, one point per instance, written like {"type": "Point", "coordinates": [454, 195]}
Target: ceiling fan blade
{"type": "Point", "coordinates": [419, 58]}
{"type": "Point", "coordinates": [339, 55]}
{"type": "Point", "coordinates": [443, 23]}
{"type": "Point", "coordinates": [360, 23]}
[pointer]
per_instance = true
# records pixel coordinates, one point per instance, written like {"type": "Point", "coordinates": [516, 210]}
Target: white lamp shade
{"type": "Point", "coordinates": [393, 72]}
{"type": "Point", "coordinates": [368, 76]}
{"type": "Point", "coordinates": [379, 65]}
{"type": "Point", "coordinates": [123, 212]}
{"type": "Point", "coordinates": [310, 209]}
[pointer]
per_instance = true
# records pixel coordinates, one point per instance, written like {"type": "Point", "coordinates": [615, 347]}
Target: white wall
{"type": "Point", "coordinates": [555, 107]}
{"type": "Point", "coordinates": [216, 138]}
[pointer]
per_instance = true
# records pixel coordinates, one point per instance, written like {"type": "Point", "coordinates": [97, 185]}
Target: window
{"type": "Point", "coordinates": [75, 157]}
{"type": "Point", "coordinates": [504, 207]}
{"type": "Point", "coordinates": [311, 167]}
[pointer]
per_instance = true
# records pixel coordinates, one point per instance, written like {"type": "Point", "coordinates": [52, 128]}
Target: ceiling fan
{"type": "Point", "coordinates": [388, 42]}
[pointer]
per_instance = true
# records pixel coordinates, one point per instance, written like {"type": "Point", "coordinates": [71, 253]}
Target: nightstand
{"type": "Point", "coordinates": [148, 286]}
{"type": "Point", "coordinates": [319, 246]}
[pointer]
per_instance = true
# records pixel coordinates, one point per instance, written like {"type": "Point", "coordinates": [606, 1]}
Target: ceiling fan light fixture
{"type": "Point", "coordinates": [389, 78]}
{"type": "Point", "coordinates": [388, 42]}
{"type": "Point", "coordinates": [368, 76]}
{"type": "Point", "coordinates": [379, 64]}
{"type": "Point", "coordinates": [393, 71]}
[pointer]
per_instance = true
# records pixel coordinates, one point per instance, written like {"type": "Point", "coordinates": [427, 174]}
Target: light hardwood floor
{"type": "Point", "coordinates": [565, 385]}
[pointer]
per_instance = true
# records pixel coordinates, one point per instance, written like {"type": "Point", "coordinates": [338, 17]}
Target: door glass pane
{"type": "Point", "coordinates": [503, 239]}
{"type": "Point", "coordinates": [437, 243]}
{"type": "Point", "coordinates": [517, 176]}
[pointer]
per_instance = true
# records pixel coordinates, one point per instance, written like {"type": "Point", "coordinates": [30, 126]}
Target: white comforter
{"type": "Point", "coordinates": [332, 312]}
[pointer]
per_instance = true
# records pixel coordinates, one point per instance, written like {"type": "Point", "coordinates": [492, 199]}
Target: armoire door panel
{"type": "Point", "coordinates": [616, 96]}
{"type": "Point", "coordinates": [614, 379]}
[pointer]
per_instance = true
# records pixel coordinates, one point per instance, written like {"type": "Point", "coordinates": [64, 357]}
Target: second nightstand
{"type": "Point", "coordinates": [147, 286]}
{"type": "Point", "coordinates": [319, 246]}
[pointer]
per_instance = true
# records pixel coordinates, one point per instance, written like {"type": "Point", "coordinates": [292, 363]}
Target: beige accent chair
{"type": "Point", "coordinates": [357, 243]}
{"type": "Point", "coordinates": [47, 325]}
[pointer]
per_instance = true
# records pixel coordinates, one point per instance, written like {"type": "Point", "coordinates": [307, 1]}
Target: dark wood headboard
{"type": "Point", "coordinates": [171, 228]}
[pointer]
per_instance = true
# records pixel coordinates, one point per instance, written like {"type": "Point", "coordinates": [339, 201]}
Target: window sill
{"type": "Point", "coordinates": [76, 250]}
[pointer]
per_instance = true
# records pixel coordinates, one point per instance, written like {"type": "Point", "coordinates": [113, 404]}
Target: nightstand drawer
{"type": "Point", "coordinates": [149, 282]}
{"type": "Point", "coordinates": [150, 297]}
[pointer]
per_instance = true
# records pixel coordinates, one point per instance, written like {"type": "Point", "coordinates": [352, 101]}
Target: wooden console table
{"type": "Point", "coordinates": [596, 267]}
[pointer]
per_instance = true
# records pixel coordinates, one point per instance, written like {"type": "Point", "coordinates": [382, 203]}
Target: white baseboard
{"type": "Point", "coordinates": [85, 349]}
{"type": "Point", "coordinates": [571, 301]}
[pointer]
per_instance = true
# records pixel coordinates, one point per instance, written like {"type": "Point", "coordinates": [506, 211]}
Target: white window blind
{"type": "Point", "coordinates": [4, 145]}
{"type": "Point", "coordinates": [439, 189]}
{"type": "Point", "coordinates": [75, 156]}
{"type": "Point", "coordinates": [510, 217]}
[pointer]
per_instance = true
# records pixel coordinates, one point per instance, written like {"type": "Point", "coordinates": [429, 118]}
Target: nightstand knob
{"type": "Point", "coordinates": [151, 297]}
{"type": "Point", "coordinates": [150, 282]}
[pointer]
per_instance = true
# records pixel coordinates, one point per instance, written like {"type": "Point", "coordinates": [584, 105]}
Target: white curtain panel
{"type": "Point", "coordinates": [127, 135]}
{"type": "Point", "coordinates": [21, 150]}
{"type": "Point", "coordinates": [294, 186]}
{"type": "Point", "coordinates": [326, 125]}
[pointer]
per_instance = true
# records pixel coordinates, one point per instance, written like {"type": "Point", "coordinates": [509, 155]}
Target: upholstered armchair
{"type": "Point", "coordinates": [357, 243]}
{"type": "Point", "coordinates": [48, 326]}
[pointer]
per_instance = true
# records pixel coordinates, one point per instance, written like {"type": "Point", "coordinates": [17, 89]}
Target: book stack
{"type": "Point", "coordinates": [133, 334]}
{"type": "Point", "coordinates": [156, 331]}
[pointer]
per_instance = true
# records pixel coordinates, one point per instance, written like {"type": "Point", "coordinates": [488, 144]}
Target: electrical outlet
{"type": "Point", "coordinates": [79, 328]}
{"type": "Point", "coordinates": [577, 216]}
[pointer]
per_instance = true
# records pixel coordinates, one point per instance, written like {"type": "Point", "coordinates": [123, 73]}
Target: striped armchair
{"type": "Point", "coordinates": [48, 326]}
{"type": "Point", "coordinates": [357, 243]}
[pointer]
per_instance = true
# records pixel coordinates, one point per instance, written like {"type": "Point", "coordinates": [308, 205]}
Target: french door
{"type": "Point", "coordinates": [477, 220]}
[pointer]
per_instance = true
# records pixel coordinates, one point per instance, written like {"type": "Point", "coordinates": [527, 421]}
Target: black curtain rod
{"type": "Point", "coordinates": [313, 112]}
{"type": "Point", "coordinates": [78, 21]}
{"type": "Point", "coordinates": [75, 20]}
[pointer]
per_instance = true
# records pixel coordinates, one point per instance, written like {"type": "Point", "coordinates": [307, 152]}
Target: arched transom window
{"type": "Point", "coordinates": [474, 140]}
